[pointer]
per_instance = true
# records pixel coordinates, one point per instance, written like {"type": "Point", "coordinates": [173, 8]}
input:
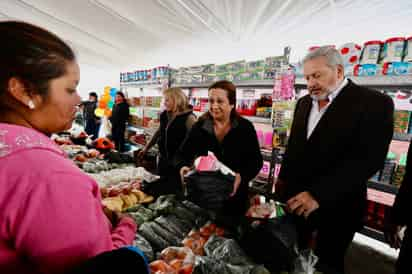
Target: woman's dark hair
{"type": "Point", "coordinates": [230, 89]}
{"type": "Point", "coordinates": [31, 54]}
{"type": "Point", "coordinates": [121, 94]}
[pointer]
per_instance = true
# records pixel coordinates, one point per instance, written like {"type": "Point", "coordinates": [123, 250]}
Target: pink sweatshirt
{"type": "Point", "coordinates": [51, 216]}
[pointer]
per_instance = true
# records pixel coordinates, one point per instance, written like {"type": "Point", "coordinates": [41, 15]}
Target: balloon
{"type": "Point", "coordinates": [99, 112]}
{"type": "Point", "coordinates": [107, 112]}
{"type": "Point", "coordinates": [105, 98]}
{"type": "Point", "coordinates": [110, 104]}
{"type": "Point", "coordinates": [107, 88]}
{"type": "Point", "coordinates": [102, 104]}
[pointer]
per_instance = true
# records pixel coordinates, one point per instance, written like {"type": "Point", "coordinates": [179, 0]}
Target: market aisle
{"type": "Point", "coordinates": [368, 256]}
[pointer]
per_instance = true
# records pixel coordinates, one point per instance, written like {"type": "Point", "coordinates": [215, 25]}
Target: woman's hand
{"type": "Point", "coordinates": [183, 171]}
{"type": "Point", "coordinates": [142, 153]}
{"type": "Point", "coordinates": [236, 184]}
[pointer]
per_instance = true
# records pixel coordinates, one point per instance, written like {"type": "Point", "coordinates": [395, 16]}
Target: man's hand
{"type": "Point", "coordinates": [236, 184]}
{"type": "Point", "coordinates": [302, 204]}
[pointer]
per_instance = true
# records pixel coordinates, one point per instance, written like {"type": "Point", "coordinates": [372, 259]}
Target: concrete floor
{"type": "Point", "coordinates": [368, 256]}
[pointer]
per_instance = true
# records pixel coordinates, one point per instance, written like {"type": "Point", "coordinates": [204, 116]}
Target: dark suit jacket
{"type": "Point", "coordinates": [347, 147]}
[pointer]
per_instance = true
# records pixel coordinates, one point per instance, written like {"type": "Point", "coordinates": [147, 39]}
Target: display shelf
{"type": "Point", "coordinates": [152, 108]}
{"type": "Point", "coordinates": [374, 81]}
{"type": "Point", "coordinates": [251, 83]}
{"type": "Point", "coordinates": [401, 137]}
{"type": "Point", "coordinates": [382, 187]}
{"type": "Point", "coordinates": [153, 84]}
{"type": "Point", "coordinates": [257, 119]}
{"type": "Point", "coordinates": [373, 233]}
{"type": "Point", "coordinates": [266, 154]}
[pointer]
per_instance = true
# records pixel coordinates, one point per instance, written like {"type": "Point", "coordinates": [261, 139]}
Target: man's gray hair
{"type": "Point", "coordinates": [332, 55]}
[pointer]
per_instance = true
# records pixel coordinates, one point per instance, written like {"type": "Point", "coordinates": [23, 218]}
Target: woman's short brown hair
{"type": "Point", "coordinates": [230, 89]}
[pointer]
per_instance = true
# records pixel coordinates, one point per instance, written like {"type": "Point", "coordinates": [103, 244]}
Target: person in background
{"type": "Point", "coordinates": [175, 122]}
{"type": "Point", "coordinates": [231, 138]}
{"type": "Point", "coordinates": [119, 118]}
{"type": "Point", "coordinates": [79, 118]}
{"type": "Point", "coordinates": [399, 217]}
{"type": "Point", "coordinates": [339, 139]}
{"type": "Point", "coordinates": [51, 216]}
{"type": "Point", "coordinates": [92, 121]}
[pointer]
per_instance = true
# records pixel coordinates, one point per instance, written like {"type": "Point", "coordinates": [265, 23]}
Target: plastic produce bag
{"type": "Point", "coordinates": [185, 225]}
{"type": "Point", "coordinates": [305, 262]}
{"type": "Point", "coordinates": [144, 246]}
{"type": "Point", "coordinates": [202, 215]}
{"type": "Point", "coordinates": [161, 267]}
{"type": "Point", "coordinates": [184, 214]}
{"type": "Point", "coordinates": [209, 190]}
{"type": "Point", "coordinates": [181, 259]}
{"type": "Point", "coordinates": [155, 240]}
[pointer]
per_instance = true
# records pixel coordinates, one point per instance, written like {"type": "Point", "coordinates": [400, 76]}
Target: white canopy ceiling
{"type": "Point", "coordinates": [135, 33]}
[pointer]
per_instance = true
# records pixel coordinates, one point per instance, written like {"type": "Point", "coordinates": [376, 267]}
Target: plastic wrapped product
{"type": "Point", "coordinates": [207, 265]}
{"type": "Point", "coordinates": [174, 228]}
{"type": "Point", "coordinates": [156, 241]}
{"type": "Point", "coordinates": [183, 213]}
{"type": "Point", "coordinates": [408, 50]}
{"type": "Point", "coordinates": [165, 234]}
{"type": "Point", "coordinates": [181, 259]}
{"type": "Point", "coordinates": [370, 54]}
{"type": "Point", "coordinates": [161, 267]}
{"type": "Point", "coordinates": [393, 50]}
{"type": "Point", "coordinates": [182, 224]}
{"type": "Point", "coordinates": [230, 252]}
{"type": "Point", "coordinates": [141, 243]}
{"type": "Point", "coordinates": [164, 204]}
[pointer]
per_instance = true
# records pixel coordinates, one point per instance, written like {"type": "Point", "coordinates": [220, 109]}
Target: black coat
{"type": "Point", "coordinates": [347, 147]}
{"type": "Point", "coordinates": [239, 151]}
{"type": "Point", "coordinates": [171, 136]}
{"type": "Point", "coordinates": [120, 115]}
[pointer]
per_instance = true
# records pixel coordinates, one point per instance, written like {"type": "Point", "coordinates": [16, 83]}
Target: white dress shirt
{"type": "Point", "coordinates": [316, 114]}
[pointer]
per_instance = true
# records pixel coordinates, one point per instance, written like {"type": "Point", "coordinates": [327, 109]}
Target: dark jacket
{"type": "Point", "coordinates": [347, 147]}
{"type": "Point", "coordinates": [400, 213]}
{"type": "Point", "coordinates": [89, 108]}
{"type": "Point", "coordinates": [239, 151]}
{"type": "Point", "coordinates": [171, 136]}
{"type": "Point", "coordinates": [120, 115]}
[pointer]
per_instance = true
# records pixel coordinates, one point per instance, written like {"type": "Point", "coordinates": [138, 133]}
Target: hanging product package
{"type": "Point", "coordinates": [279, 236]}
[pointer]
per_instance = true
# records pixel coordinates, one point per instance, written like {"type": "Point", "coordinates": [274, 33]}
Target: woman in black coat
{"type": "Point", "coordinates": [175, 122]}
{"type": "Point", "coordinates": [231, 138]}
{"type": "Point", "coordinates": [119, 118]}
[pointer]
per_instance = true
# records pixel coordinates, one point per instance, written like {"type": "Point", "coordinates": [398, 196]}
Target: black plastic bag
{"type": "Point", "coordinates": [202, 215]}
{"type": "Point", "coordinates": [209, 190]}
{"type": "Point", "coordinates": [141, 243]}
{"type": "Point", "coordinates": [272, 243]}
{"type": "Point", "coordinates": [164, 204]}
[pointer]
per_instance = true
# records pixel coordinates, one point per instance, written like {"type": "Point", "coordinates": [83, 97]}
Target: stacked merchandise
{"type": "Point", "coordinates": [376, 58]}
{"type": "Point", "coordinates": [393, 170]}
{"type": "Point", "coordinates": [235, 71]}
{"type": "Point", "coordinates": [154, 75]}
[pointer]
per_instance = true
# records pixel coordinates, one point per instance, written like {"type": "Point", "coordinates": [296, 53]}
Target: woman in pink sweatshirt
{"type": "Point", "coordinates": [51, 218]}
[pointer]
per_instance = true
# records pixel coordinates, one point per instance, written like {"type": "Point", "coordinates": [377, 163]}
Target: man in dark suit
{"type": "Point", "coordinates": [339, 139]}
{"type": "Point", "coordinates": [400, 217]}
